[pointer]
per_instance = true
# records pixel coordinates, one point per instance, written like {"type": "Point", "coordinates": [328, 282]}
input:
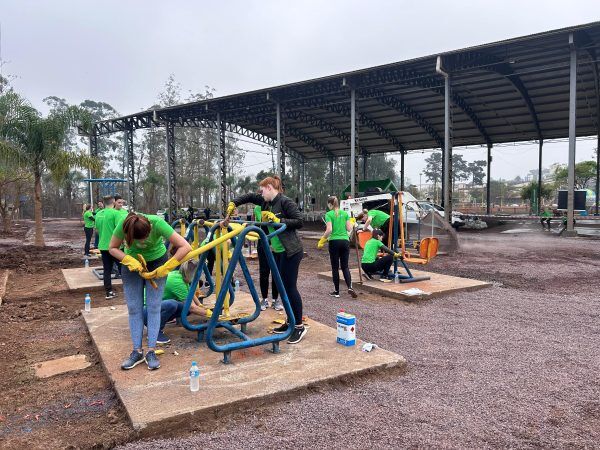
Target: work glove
{"type": "Point", "coordinates": [352, 221]}
{"type": "Point", "coordinates": [230, 209]}
{"type": "Point", "coordinates": [132, 264]}
{"type": "Point", "coordinates": [321, 242]}
{"type": "Point", "coordinates": [268, 216]}
{"type": "Point", "coordinates": [208, 313]}
{"type": "Point", "coordinates": [397, 255]}
{"type": "Point", "coordinates": [163, 270]}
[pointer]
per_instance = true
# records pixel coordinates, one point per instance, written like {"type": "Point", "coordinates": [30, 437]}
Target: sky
{"type": "Point", "coordinates": [122, 52]}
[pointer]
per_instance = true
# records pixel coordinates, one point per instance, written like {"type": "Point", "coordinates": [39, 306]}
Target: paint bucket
{"type": "Point", "coordinates": [363, 238]}
{"type": "Point", "coordinates": [346, 328]}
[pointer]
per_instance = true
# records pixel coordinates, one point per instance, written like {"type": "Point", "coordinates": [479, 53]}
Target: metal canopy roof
{"type": "Point", "coordinates": [508, 91]}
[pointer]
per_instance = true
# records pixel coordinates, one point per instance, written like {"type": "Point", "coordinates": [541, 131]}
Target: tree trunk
{"type": "Point", "coordinates": [37, 199]}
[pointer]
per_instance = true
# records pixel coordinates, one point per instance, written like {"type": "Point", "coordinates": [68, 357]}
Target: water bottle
{"type": "Point", "coordinates": [86, 263]}
{"type": "Point", "coordinates": [194, 377]}
{"type": "Point", "coordinates": [88, 303]}
{"type": "Point", "coordinates": [237, 286]}
{"type": "Point", "coordinates": [397, 278]}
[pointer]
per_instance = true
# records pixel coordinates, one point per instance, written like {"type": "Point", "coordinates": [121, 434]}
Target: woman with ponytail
{"type": "Point", "coordinates": [145, 235]}
{"type": "Point", "coordinates": [277, 208]}
{"type": "Point", "coordinates": [337, 227]}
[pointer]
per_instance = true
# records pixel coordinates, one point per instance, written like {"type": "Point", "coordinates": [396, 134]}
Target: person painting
{"type": "Point", "coordinates": [276, 207]}
{"type": "Point", "coordinates": [376, 219]}
{"type": "Point", "coordinates": [88, 228]}
{"type": "Point", "coordinates": [176, 291]}
{"type": "Point", "coordinates": [145, 235]}
{"type": "Point", "coordinates": [371, 263]}
{"type": "Point", "coordinates": [545, 216]}
{"type": "Point", "coordinates": [264, 270]}
{"type": "Point", "coordinates": [337, 226]}
{"type": "Point", "coordinates": [106, 220]}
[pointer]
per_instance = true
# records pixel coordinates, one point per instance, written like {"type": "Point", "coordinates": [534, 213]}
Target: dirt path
{"type": "Point", "coordinates": [514, 366]}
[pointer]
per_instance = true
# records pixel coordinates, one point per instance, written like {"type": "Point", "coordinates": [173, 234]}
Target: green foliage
{"type": "Point", "coordinates": [527, 191]}
{"type": "Point", "coordinates": [585, 172]}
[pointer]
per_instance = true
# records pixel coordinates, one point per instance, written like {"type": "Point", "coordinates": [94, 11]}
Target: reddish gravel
{"type": "Point", "coordinates": [515, 365]}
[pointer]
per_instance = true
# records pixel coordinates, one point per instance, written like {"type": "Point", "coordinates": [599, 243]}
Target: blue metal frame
{"type": "Point", "coordinates": [107, 185]}
{"type": "Point", "coordinates": [206, 329]}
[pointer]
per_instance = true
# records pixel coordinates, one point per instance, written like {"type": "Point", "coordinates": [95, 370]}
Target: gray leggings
{"type": "Point", "coordinates": [133, 286]}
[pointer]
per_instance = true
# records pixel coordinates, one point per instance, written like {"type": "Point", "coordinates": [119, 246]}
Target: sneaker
{"type": "Point", "coordinates": [264, 304]}
{"type": "Point", "coordinates": [297, 335]}
{"type": "Point", "coordinates": [278, 305]}
{"type": "Point", "coordinates": [281, 329]}
{"type": "Point", "coordinates": [335, 294]}
{"type": "Point", "coordinates": [134, 359]}
{"type": "Point", "coordinates": [162, 338]}
{"type": "Point", "coordinates": [152, 360]}
{"type": "Point", "coordinates": [110, 294]}
{"type": "Point", "coordinates": [352, 292]}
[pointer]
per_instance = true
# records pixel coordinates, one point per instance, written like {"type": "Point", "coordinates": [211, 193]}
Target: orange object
{"type": "Point", "coordinates": [363, 237]}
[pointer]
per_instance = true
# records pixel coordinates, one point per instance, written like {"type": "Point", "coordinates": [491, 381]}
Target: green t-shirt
{"type": "Point", "coordinates": [257, 213]}
{"type": "Point", "coordinates": [371, 248]}
{"type": "Point", "coordinates": [546, 214]}
{"type": "Point", "coordinates": [276, 244]}
{"type": "Point", "coordinates": [88, 219]}
{"type": "Point", "coordinates": [175, 287]}
{"type": "Point", "coordinates": [338, 225]}
{"type": "Point", "coordinates": [153, 246]}
{"type": "Point", "coordinates": [108, 222]}
{"type": "Point", "coordinates": [99, 218]}
{"type": "Point", "coordinates": [378, 218]}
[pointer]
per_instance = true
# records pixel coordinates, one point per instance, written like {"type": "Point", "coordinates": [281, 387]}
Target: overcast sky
{"type": "Point", "coordinates": [121, 52]}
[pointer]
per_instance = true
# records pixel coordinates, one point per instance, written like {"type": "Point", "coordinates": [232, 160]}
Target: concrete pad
{"type": "Point", "coordinates": [53, 367]}
{"type": "Point", "coordinates": [82, 278]}
{"type": "Point", "coordinates": [157, 401]}
{"type": "Point", "coordinates": [436, 286]}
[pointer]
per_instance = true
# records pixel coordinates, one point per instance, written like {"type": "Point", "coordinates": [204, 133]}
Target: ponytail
{"type": "Point", "coordinates": [274, 181]}
{"type": "Point", "coordinates": [136, 227]}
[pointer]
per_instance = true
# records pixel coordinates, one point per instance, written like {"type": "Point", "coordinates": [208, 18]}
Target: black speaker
{"type": "Point", "coordinates": [313, 200]}
{"type": "Point", "coordinates": [578, 201]}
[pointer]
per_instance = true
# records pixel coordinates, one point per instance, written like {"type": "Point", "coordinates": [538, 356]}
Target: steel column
{"type": "Point", "coordinates": [280, 143]}
{"type": "Point", "coordinates": [171, 173]}
{"type": "Point", "coordinates": [365, 157]}
{"type": "Point", "coordinates": [93, 145]}
{"type": "Point", "coordinates": [331, 188]}
{"type": "Point", "coordinates": [402, 171]}
{"type": "Point", "coordinates": [488, 180]}
{"type": "Point", "coordinates": [222, 163]}
{"type": "Point", "coordinates": [130, 169]}
{"type": "Point", "coordinates": [447, 193]}
{"type": "Point", "coordinates": [598, 161]}
{"type": "Point", "coordinates": [303, 184]}
{"type": "Point", "coordinates": [572, 134]}
{"type": "Point", "coordinates": [539, 199]}
{"type": "Point", "coordinates": [353, 146]}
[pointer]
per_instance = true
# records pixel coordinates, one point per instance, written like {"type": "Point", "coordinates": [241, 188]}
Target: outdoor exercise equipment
{"type": "Point", "coordinates": [217, 238]}
{"type": "Point", "coordinates": [107, 186]}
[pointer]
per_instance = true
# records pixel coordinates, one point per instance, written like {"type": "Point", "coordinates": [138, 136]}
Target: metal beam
{"type": "Point", "coordinates": [279, 147]}
{"type": "Point", "coordinates": [572, 134]}
{"type": "Point", "coordinates": [331, 189]}
{"type": "Point", "coordinates": [447, 191]}
{"type": "Point", "coordinates": [488, 181]}
{"type": "Point", "coordinates": [353, 146]}
{"type": "Point", "coordinates": [222, 164]}
{"type": "Point", "coordinates": [130, 169]}
{"type": "Point", "coordinates": [539, 199]}
{"type": "Point", "coordinates": [402, 171]}
{"type": "Point", "coordinates": [303, 183]}
{"type": "Point", "coordinates": [171, 170]}
{"type": "Point", "coordinates": [93, 147]}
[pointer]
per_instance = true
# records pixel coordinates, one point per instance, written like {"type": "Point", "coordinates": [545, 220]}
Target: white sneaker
{"type": "Point", "coordinates": [264, 304]}
{"type": "Point", "coordinates": [278, 305]}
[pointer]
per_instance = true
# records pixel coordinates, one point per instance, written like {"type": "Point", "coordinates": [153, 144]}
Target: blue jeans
{"type": "Point", "coordinates": [133, 286]}
{"type": "Point", "coordinates": [169, 310]}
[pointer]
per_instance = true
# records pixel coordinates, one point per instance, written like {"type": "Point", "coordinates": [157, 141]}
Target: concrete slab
{"type": "Point", "coordinates": [436, 286]}
{"type": "Point", "coordinates": [82, 278]}
{"type": "Point", "coordinates": [157, 401]}
{"type": "Point", "coordinates": [53, 367]}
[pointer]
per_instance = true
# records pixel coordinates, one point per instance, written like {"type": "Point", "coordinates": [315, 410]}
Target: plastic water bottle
{"type": "Point", "coordinates": [194, 377]}
{"type": "Point", "coordinates": [397, 278]}
{"type": "Point", "coordinates": [237, 286]}
{"type": "Point", "coordinates": [88, 302]}
{"type": "Point", "coordinates": [86, 263]}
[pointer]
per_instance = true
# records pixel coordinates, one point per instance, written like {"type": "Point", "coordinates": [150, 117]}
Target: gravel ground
{"type": "Point", "coordinates": [515, 365]}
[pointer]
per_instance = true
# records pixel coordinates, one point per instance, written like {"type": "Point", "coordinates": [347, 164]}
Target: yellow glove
{"type": "Point", "coordinates": [397, 256]}
{"type": "Point", "coordinates": [230, 209]}
{"type": "Point", "coordinates": [208, 313]}
{"type": "Point", "coordinates": [132, 264]}
{"type": "Point", "coordinates": [352, 220]}
{"type": "Point", "coordinates": [268, 216]}
{"type": "Point", "coordinates": [322, 242]}
{"type": "Point", "coordinates": [164, 270]}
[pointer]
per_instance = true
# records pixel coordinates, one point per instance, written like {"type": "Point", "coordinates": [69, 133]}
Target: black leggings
{"type": "Point", "coordinates": [265, 271]}
{"type": "Point", "coordinates": [107, 267]}
{"type": "Point", "coordinates": [88, 238]}
{"type": "Point", "coordinates": [339, 252]}
{"type": "Point", "coordinates": [288, 268]}
{"type": "Point", "coordinates": [383, 265]}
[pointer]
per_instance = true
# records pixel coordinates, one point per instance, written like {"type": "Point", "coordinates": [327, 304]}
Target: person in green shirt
{"type": "Point", "coordinates": [106, 220]}
{"type": "Point", "coordinates": [145, 235]}
{"type": "Point", "coordinates": [545, 216]}
{"type": "Point", "coordinates": [376, 219]}
{"type": "Point", "coordinates": [337, 226]}
{"type": "Point", "coordinates": [264, 271]}
{"type": "Point", "coordinates": [370, 263]}
{"type": "Point", "coordinates": [99, 208]}
{"type": "Point", "coordinates": [88, 228]}
{"type": "Point", "coordinates": [176, 291]}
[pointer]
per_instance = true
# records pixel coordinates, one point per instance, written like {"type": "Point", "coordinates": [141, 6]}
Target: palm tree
{"type": "Point", "coordinates": [35, 142]}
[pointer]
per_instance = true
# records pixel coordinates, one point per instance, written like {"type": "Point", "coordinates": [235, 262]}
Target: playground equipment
{"type": "Point", "coordinates": [107, 186]}
{"type": "Point", "coordinates": [217, 236]}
